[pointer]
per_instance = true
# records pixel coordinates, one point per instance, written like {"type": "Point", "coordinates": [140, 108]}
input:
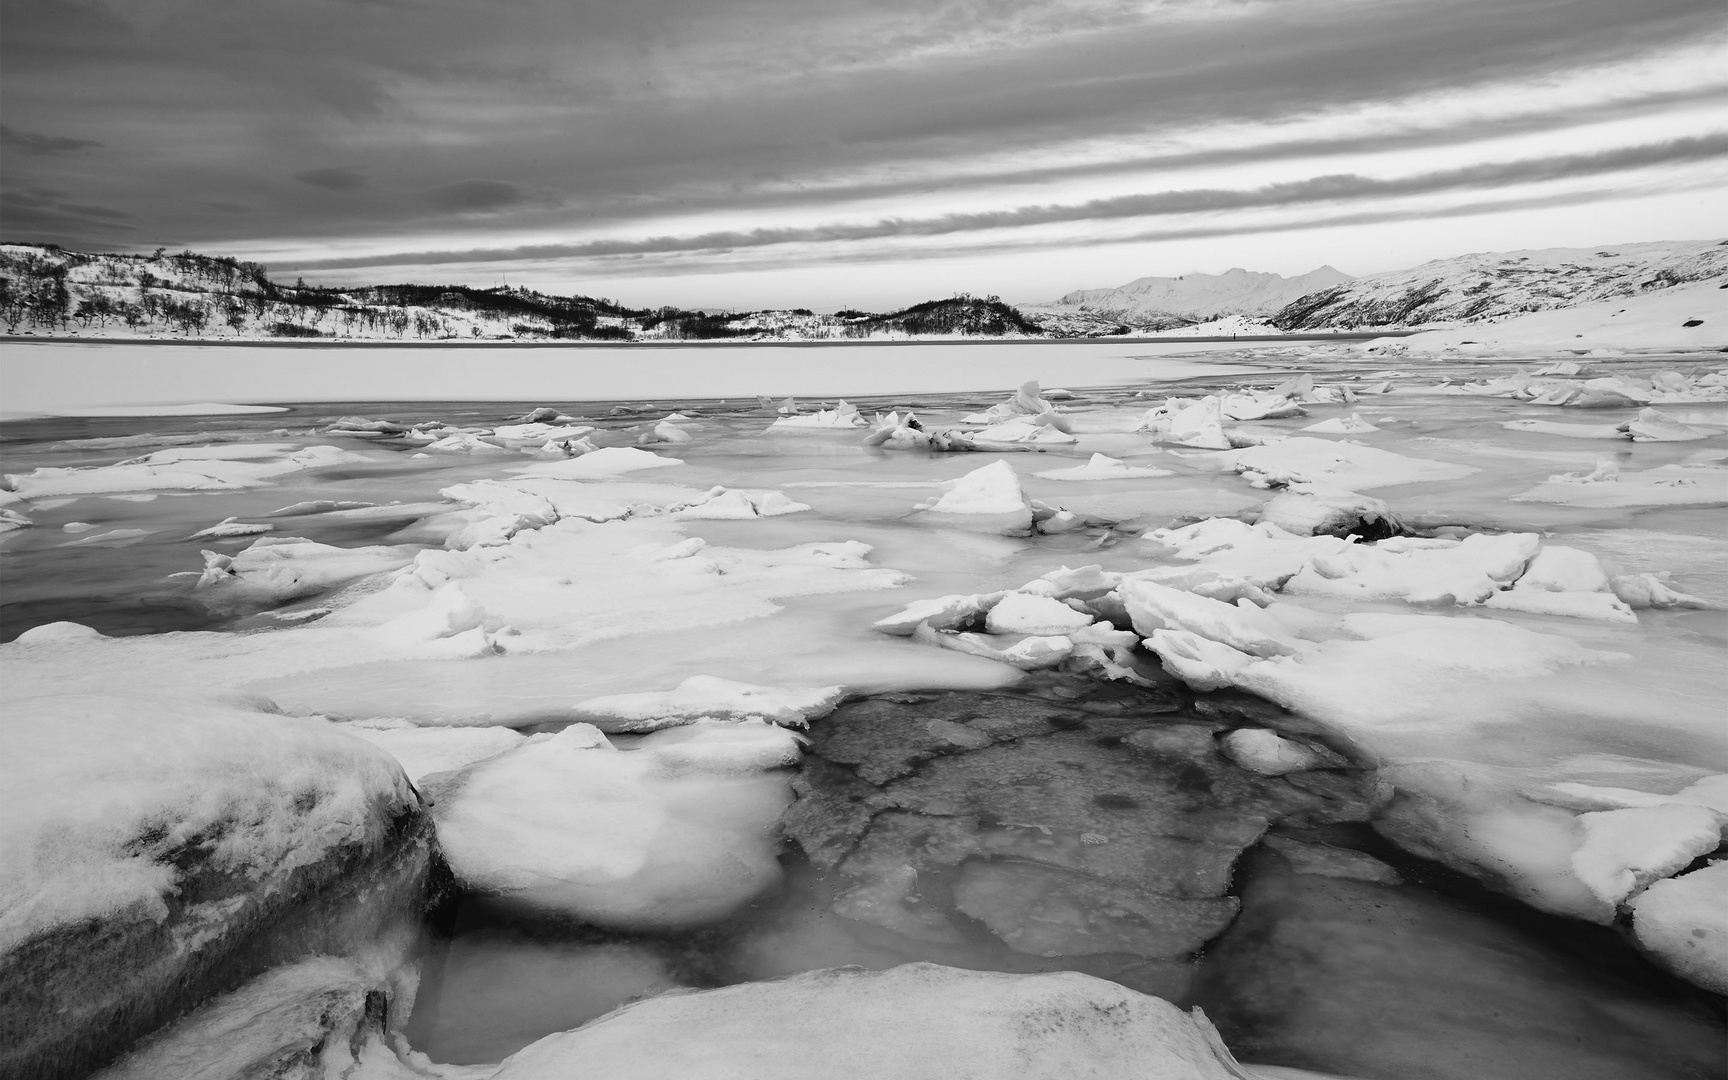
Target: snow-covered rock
{"type": "Point", "coordinates": [1270, 754]}
{"type": "Point", "coordinates": [152, 848]}
{"type": "Point", "coordinates": [315, 1018]}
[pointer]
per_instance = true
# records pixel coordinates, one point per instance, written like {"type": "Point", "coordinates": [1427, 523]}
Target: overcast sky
{"type": "Point", "coordinates": [869, 153]}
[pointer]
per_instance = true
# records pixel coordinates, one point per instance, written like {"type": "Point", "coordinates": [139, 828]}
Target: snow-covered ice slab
{"type": "Point", "coordinates": [601, 464]}
{"type": "Point", "coordinates": [676, 832]}
{"type": "Point", "coordinates": [1684, 924]}
{"type": "Point", "coordinates": [276, 569]}
{"type": "Point", "coordinates": [708, 696]}
{"type": "Point", "coordinates": [988, 498]}
{"type": "Point", "coordinates": [945, 1023]}
{"type": "Point", "coordinates": [1023, 430]}
{"type": "Point", "coordinates": [1348, 465]}
{"type": "Point", "coordinates": [1342, 425]}
{"type": "Point", "coordinates": [844, 415]}
{"type": "Point", "coordinates": [228, 466]}
{"type": "Point", "coordinates": [427, 751]}
{"type": "Point", "coordinates": [1665, 485]}
{"type": "Point", "coordinates": [1103, 467]}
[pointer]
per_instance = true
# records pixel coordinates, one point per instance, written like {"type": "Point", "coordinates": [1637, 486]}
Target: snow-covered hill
{"type": "Point", "coordinates": [49, 291]}
{"type": "Point", "coordinates": [1684, 318]}
{"type": "Point", "coordinates": [1497, 285]}
{"type": "Point", "coordinates": [1160, 303]}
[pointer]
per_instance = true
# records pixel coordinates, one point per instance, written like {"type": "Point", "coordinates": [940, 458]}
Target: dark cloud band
{"type": "Point", "coordinates": [1319, 189]}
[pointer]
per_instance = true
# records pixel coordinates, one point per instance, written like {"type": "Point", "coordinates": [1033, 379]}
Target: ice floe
{"type": "Point", "coordinates": [675, 832]}
{"type": "Point", "coordinates": [711, 697]}
{"type": "Point", "coordinates": [1348, 465]}
{"type": "Point", "coordinates": [843, 415]}
{"type": "Point", "coordinates": [230, 527]}
{"type": "Point", "coordinates": [223, 467]}
{"type": "Point", "coordinates": [945, 1021]}
{"type": "Point", "coordinates": [988, 498]}
{"type": "Point", "coordinates": [1684, 924]}
{"type": "Point", "coordinates": [1607, 487]}
{"type": "Point", "coordinates": [1026, 402]}
{"type": "Point", "coordinates": [275, 569]}
{"type": "Point", "coordinates": [601, 464]}
{"type": "Point", "coordinates": [427, 751]}
{"type": "Point", "coordinates": [1103, 467]}
{"type": "Point", "coordinates": [1347, 425]}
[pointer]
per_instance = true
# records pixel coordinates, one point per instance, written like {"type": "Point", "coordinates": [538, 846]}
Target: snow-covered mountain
{"type": "Point", "coordinates": [1157, 303]}
{"type": "Point", "coordinates": [1490, 286]}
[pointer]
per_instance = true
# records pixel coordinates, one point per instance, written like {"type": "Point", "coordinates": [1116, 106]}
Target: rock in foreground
{"type": "Point", "coordinates": [156, 852]}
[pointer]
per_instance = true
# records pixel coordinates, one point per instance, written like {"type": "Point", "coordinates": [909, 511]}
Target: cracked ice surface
{"type": "Point", "coordinates": [1518, 669]}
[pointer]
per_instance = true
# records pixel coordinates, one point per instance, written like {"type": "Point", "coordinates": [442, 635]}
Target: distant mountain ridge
{"type": "Point", "coordinates": [1488, 286]}
{"type": "Point", "coordinates": [48, 291]}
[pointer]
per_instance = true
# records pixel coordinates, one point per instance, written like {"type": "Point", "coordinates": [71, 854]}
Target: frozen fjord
{"type": "Point", "coordinates": [1190, 765]}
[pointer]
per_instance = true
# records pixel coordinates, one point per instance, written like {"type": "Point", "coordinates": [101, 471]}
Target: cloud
{"type": "Point", "coordinates": [475, 196]}
{"type": "Point", "coordinates": [339, 178]}
{"type": "Point", "coordinates": [44, 214]}
{"type": "Point", "coordinates": [1338, 188]}
{"type": "Point", "coordinates": [29, 142]}
{"type": "Point", "coordinates": [584, 119]}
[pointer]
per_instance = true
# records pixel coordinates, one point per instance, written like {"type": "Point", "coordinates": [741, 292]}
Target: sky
{"type": "Point", "coordinates": [856, 153]}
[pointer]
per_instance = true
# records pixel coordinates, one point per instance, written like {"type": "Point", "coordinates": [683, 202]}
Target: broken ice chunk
{"type": "Point", "coordinates": [941, 613]}
{"type": "Point", "coordinates": [1152, 607]}
{"type": "Point", "coordinates": [1683, 922]}
{"type": "Point", "coordinates": [707, 695]}
{"type": "Point", "coordinates": [676, 833]}
{"type": "Point", "coordinates": [1625, 850]}
{"type": "Point", "coordinates": [1023, 613]}
{"type": "Point", "coordinates": [1103, 467]}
